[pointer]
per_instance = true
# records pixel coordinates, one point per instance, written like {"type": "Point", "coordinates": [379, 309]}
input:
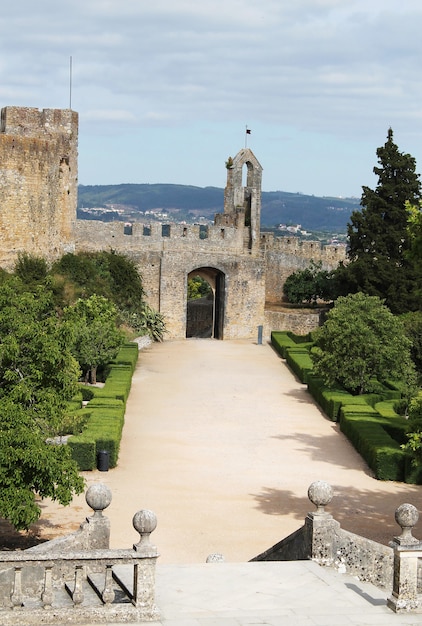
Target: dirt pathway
{"type": "Point", "coordinates": [222, 442]}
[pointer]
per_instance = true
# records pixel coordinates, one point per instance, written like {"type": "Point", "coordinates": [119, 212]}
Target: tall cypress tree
{"type": "Point", "coordinates": [379, 237]}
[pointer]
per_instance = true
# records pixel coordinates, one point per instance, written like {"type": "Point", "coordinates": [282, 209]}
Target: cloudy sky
{"type": "Point", "coordinates": [165, 88]}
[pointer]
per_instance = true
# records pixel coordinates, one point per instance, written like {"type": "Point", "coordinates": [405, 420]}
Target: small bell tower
{"type": "Point", "coordinates": [242, 194]}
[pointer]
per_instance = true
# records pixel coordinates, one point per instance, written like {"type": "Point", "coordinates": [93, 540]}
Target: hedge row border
{"type": "Point", "coordinates": [369, 421]}
{"type": "Point", "coordinates": [105, 412]}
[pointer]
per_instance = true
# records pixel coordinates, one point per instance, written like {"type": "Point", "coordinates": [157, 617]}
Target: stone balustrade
{"type": "Point", "coordinates": [72, 581]}
{"type": "Point", "coordinates": [396, 568]}
{"type": "Point", "coordinates": [78, 579]}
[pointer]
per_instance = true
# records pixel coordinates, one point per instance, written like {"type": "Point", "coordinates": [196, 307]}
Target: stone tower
{"type": "Point", "coordinates": [242, 195]}
{"type": "Point", "coordinates": [38, 182]}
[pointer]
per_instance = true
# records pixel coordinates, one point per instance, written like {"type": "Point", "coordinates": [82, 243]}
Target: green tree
{"type": "Point", "coordinates": [95, 337]}
{"type": "Point", "coordinates": [198, 287]}
{"type": "Point", "coordinates": [309, 285]}
{"type": "Point", "coordinates": [413, 446]}
{"type": "Point", "coordinates": [379, 237]}
{"type": "Point", "coordinates": [112, 276]}
{"type": "Point", "coordinates": [125, 281]}
{"type": "Point", "coordinates": [414, 254]}
{"type": "Point", "coordinates": [361, 345]}
{"type": "Point", "coordinates": [412, 322]}
{"type": "Point", "coordinates": [108, 274]}
{"type": "Point", "coordinates": [38, 375]}
{"type": "Point", "coordinates": [414, 225]}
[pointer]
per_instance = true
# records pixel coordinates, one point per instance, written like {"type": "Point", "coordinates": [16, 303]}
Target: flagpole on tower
{"type": "Point", "coordinates": [70, 83]}
{"type": "Point", "coordinates": [248, 132]}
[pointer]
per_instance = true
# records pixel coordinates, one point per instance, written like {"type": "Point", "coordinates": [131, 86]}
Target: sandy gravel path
{"type": "Point", "coordinates": [221, 442]}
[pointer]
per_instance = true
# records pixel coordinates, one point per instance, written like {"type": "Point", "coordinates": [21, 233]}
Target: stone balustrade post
{"type": "Point", "coordinates": [145, 522]}
{"type": "Point", "coordinates": [407, 550]}
{"type": "Point", "coordinates": [320, 526]}
{"type": "Point", "coordinates": [97, 526]}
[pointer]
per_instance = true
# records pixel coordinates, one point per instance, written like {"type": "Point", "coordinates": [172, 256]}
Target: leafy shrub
{"type": "Point", "coordinates": [309, 285]}
{"type": "Point", "coordinates": [30, 269]}
{"type": "Point", "coordinates": [73, 423]}
{"type": "Point", "coordinates": [146, 321]}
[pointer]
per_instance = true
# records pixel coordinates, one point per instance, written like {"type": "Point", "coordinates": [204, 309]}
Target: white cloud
{"type": "Point", "coordinates": [103, 115]}
{"type": "Point", "coordinates": [340, 70]}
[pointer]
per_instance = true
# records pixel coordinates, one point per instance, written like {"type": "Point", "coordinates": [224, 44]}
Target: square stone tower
{"type": "Point", "coordinates": [38, 182]}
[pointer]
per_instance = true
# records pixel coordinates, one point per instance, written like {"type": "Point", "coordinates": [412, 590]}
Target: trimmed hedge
{"type": "Point", "coordinates": [281, 340]}
{"type": "Point", "coordinates": [295, 349]}
{"type": "Point", "coordinates": [127, 355]}
{"type": "Point", "coordinates": [106, 410]}
{"type": "Point", "coordinates": [330, 399]}
{"type": "Point", "coordinates": [117, 385]}
{"type": "Point", "coordinates": [299, 360]}
{"type": "Point", "coordinates": [364, 428]}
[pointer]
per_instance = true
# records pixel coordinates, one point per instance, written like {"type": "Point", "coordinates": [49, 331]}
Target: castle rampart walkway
{"type": "Point", "coordinates": [222, 442]}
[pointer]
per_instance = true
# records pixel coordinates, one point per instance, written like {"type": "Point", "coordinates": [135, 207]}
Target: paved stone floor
{"type": "Point", "coordinates": [299, 593]}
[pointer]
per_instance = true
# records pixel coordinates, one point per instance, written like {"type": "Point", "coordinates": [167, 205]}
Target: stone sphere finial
{"type": "Point", "coordinates": [144, 522]}
{"type": "Point", "coordinates": [98, 497]}
{"type": "Point", "coordinates": [320, 493]}
{"type": "Point", "coordinates": [407, 517]}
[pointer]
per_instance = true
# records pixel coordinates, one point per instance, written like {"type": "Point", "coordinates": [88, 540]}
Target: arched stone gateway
{"type": "Point", "coordinates": [205, 316]}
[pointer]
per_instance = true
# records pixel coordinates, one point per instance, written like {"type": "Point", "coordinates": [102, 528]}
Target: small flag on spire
{"type": "Point", "coordinates": [248, 132]}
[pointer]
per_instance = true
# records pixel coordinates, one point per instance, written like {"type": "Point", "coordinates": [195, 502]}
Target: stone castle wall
{"type": "Point", "coordinates": [95, 235]}
{"type": "Point", "coordinates": [165, 263]}
{"type": "Point", "coordinates": [285, 255]}
{"type": "Point", "coordinates": [280, 256]}
{"type": "Point", "coordinates": [38, 182]}
{"type": "Point", "coordinates": [38, 199]}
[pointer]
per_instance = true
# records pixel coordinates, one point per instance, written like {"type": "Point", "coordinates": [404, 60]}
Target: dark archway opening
{"type": "Point", "coordinates": [205, 303]}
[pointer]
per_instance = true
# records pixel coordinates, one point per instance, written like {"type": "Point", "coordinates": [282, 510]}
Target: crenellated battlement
{"type": "Point", "coordinates": [93, 235]}
{"type": "Point", "coordinates": [38, 123]}
{"type": "Point", "coordinates": [312, 250]}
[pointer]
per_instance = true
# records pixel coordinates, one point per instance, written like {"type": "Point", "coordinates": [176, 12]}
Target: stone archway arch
{"type": "Point", "coordinates": [213, 307]}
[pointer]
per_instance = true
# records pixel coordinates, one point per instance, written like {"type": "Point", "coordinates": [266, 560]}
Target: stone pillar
{"type": "Point", "coordinates": [407, 550]}
{"type": "Point", "coordinates": [96, 528]}
{"type": "Point", "coordinates": [321, 527]}
{"type": "Point", "coordinates": [145, 522]}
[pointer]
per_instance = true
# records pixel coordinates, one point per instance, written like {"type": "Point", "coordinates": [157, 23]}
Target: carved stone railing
{"type": "Point", "coordinates": [397, 567]}
{"type": "Point", "coordinates": [79, 580]}
{"type": "Point", "coordinates": [61, 584]}
{"type": "Point", "coordinates": [323, 540]}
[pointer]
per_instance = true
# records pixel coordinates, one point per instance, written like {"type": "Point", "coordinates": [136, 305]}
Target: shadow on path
{"type": "Point", "coordinates": [363, 512]}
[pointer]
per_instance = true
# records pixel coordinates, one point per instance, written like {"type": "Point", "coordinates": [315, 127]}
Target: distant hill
{"type": "Point", "coordinates": [185, 202]}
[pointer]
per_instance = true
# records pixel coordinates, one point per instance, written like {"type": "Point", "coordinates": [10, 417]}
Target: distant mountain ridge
{"type": "Point", "coordinates": [186, 202]}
